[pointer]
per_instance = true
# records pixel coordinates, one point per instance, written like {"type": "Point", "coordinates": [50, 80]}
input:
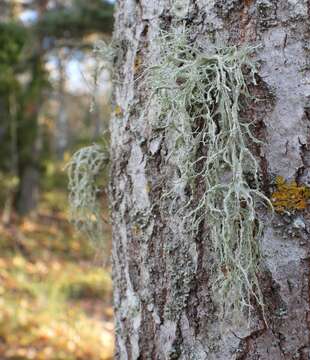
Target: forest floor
{"type": "Point", "coordinates": [55, 296]}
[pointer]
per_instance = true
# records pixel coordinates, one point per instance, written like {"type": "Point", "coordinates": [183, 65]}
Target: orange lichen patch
{"type": "Point", "coordinates": [290, 195]}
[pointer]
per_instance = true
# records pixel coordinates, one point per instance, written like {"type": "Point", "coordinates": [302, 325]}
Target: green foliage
{"type": "Point", "coordinates": [77, 20]}
{"type": "Point", "coordinates": [12, 40]}
{"type": "Point", "coordinates": [19, 103]}
{"type": "Point", "coordinates": [84, 169]}
{"type": "Point", "coordinates": [200, 96]}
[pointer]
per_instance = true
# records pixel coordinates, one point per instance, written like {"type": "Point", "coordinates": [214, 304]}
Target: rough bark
{"type": "Point", "coordinates": [162, 293]}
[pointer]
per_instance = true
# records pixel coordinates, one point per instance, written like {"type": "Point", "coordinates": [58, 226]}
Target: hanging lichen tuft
{"type": "Point", "coordinates": [86, 167]}
{"type": "Point", "coordinates": [200, 96]}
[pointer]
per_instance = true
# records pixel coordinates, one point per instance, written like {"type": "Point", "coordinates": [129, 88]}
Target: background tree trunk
{"type": "Point", "coordinates": [162, 291]}
{"type": "Point", "coordinates": [29, 142]}
{"type": "Point", "coordinates": [28, 133]}
{"type": "Point", "coordinates": [61, 138]}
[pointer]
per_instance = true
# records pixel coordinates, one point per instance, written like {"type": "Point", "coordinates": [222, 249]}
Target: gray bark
{"type": "Point", "coordinates": [28, 190]}
{"type": "Point", "coordinates": [162, 292]}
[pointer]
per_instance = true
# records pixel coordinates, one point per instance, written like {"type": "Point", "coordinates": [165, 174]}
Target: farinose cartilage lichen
{"type": "Point", "coordinates": [200, 97]}
{"type": "Point", "coordinates": [83, 170]}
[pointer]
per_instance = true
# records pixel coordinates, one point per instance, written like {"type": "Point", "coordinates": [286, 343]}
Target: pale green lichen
{"type": "Point", "coordinates": [200, 96]}
{"type": "Point", "coordinates": [104, 54]}
{"type": "Point", "coordinates": [84, 169]}
{"type": "Point", "coordinates": [87, 164]}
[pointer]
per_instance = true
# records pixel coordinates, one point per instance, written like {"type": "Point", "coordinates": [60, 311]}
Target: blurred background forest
{"type": "Point", "coordinates": [55, 295]}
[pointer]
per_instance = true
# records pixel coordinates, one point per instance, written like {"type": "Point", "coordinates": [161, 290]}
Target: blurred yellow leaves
{"type": "Point", "coordinates": [45, 320]}
{"type": "Point", "coordinates": [52, 296]}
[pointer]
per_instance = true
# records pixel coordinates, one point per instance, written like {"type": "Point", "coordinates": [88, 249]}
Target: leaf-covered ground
{"type": "Point", "coordinates": [55, 296]}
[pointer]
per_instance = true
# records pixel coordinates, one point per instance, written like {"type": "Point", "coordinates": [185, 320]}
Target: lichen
{"type": "Point", "coordinates": [182, 271]}
{"type": "Point", "coordinates": [200, 96]}
{"type": "Point", "coordinates": [289, 196]}
{"type": "Point", "coordinates": [118, 111]}
{"type": "Point", "coordinates": [104, 54]}
{"type": "Point", "coordinates": [88, 163]}
{"type": "Point", "coordinates": [84, 169]}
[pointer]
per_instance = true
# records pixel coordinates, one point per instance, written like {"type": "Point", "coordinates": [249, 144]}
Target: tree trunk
{"type": "Point", "coordinates": [28, 193]}
{"type": "Point", "coordinates": [163, 300]}
{"type": "Point", "coordinates": [61, 133]}
{"type": "Point", "coordinates": [29, 132]}
{"type": "Point", "coordinates": [29, 143]}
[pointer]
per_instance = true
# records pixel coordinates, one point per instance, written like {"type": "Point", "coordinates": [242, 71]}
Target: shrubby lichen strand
{"type": "Point", "coordinates": [200, 96]}
{"type": "Point", "coordinates": [83, 170]}
{"type": "Point", "coordinates": [86, 166]}
{"type": "Point", "coordinates": [104, 54]}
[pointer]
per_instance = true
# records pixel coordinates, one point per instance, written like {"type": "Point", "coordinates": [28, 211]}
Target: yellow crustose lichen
{"type": "Point", "coordinates": [290, 196]}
